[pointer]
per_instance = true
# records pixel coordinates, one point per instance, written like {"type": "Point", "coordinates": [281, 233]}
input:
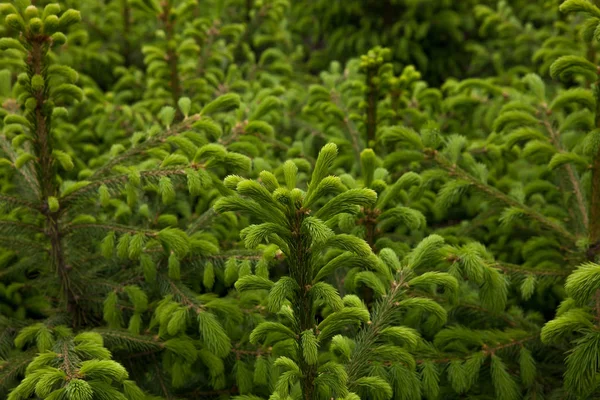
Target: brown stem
{"type": "Point", "coordinates": [62, 268]}
{"type": "Point", "coordinates": [248, 11]}
{"type": "Point", "coordinates": [500, 196]}
{"type": "Point", "coordinates": [369, 221]}
{"type": "Point", "coordinates": [46, 172]}
{"type": "Point", "coordinates": [301, 272]}
{"type": "Point", "coordinates": [126, 32]}
{"type": "Point", "coordinates": [172, 58]}
{"type": "Point", "coordinates": [595, 201]}
{"type": "Point", "coordinates": [140, 149]}
{"type": "Point", "coordinates": [67, 364]}
{"type": "Point", "coordinates": [597, 298]}
{"type": "Point", "coordinates": [555, 138]}
{"type": "Point", "coordinates": [510, 268]}
{"type": "Point", "coordinates": [594, 231]}
{"type": "Point", "coordinates": [160, 379]}
{"type": "Point", "coordinates": [368, 337]}
{"type": "Point", "coordinates": [486, 350]}
{"type": "Point", "coordinates": [41, 119]}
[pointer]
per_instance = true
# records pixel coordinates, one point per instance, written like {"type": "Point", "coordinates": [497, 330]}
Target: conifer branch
{"type": "Point", "coordinates": [458, 172]}
{"type": "Point", "coordinates": [142, 147]}
{"type": "Point", "coordinates": [203, 219]}
{"type": "Point", "coordinates": [15, 367]}
{"type": "Point", "coordinates": [42, 140]}
{"type": "Point", "coordinates": [72, 197]}
{"type": "Point", "coordinates": [205, 48]}
{"type": "Point", "coordinates": [369, 336]}
{"type": "Point", "coordinates": [172, 56]}
{"type": "Point", "coordinates": [25, 171]}
{"type": "Point", "coordinates": [8, 224]}
{"type": "Point", "coordinates": [126, 15]}
{"type": "Point", "coordinates": [511, 268]}
{"type": "Point", "coordinates": [184, 298]}
{"type": "Point", "coordinates": [160, 379]}
{"type": "Point", "coordinates": [255, 353]}
{"type": "Point", "coordinates": [507, 318]}
{"type": "Point", "coordinates": [70, 228]}
{"type": "Point", "coordinates": [349, 125]}
{"type": "Point", "coordinates": [18, 202]}
{"type": "Point", "coordinates": [502, 315]}
{"type": "Point", "coordinates": [594, 232]}
{"type": "Point", "coordinates": [142, 342]}
{"type": "Point", "coordinates": [485, 350]}
{"type": "Point", "coordinates": [577, 190]}
{"type": "Point", "coordinates": [67, 365]}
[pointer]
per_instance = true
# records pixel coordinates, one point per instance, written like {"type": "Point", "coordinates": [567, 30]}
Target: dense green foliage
{"type": "Point", "coordinates": [299, 200]}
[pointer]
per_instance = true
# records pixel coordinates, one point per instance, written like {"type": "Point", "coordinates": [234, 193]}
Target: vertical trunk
{"type": "Point", "coordinates": [45, 173]}
{"type": "Point", "coordinates": [594, 219]}
{"type": "Point", "coordinates": [301, 272]}
{"type": "Point", "coordinates": [248, 10]}
{"type": "Point", "coordinates": [595, 202]}
{"type": "Point", "coordinates": [307, 321]}
{"type": "Point", "coordinates": [172, 60]}
{"type": "Point", "coordinates": [126, 32]}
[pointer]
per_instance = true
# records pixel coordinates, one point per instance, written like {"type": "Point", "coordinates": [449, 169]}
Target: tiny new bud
{"type": "Point", "coordinates": [37, 82]}
{"type": "Point", "coordinates": [31, 12]}
{"type": "Point", "coordinates": [53, 204]}
{"type": "Point", "coordinates": [50, 24]}
{"type": "Point", "coordinates": [51, 9]}
{"type": "Point", "coordinates": [14, 21]}
{"type": "Point", "coordinates": [35, 25]}
{"type": "Point", "coordinates": [23, 79]}
{"type": "Point", "coordinates": [68, 18]}
{"type": "Point", "coordinates": [60, 112]}
{"type": "Point", "coordinates": [31, 104]}
{"type": "Point", "coordinates": [58, 39]}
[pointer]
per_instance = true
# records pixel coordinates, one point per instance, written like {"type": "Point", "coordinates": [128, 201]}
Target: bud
{"type": "Point", "coordinates": [51, 9]}
{"type": "Point", "coordinates": [23, 79]}
{"type": "Point", "coordinates": [19, 140]}
{"type": "Point", "coordinates": [58, 39]}
{"type": "Point", "coordinates": [50, 24]}
{"type": "Point", "coordinates": [31, 104]}
{"type": "Point", "coordinates": [60, 112]}
{"type": "Point", "coordinates": [35, 25]}
{"type": "Point", "coordinates": [14, 21]}
{"type": "Point", "coordinates": [37, 82]}
{"type": "Point", "coordinates": [6, 9]}
{"type": "Point", "coordinates": [231, 181]}
{"type": "Point", "coordinates": [68, 18]}
{"type": "Point", "coordinates": [378, 185]}
{"type": "Point", "coordinates": [31, 12]}
{"type": "Point", "coordinates": [368, 161]}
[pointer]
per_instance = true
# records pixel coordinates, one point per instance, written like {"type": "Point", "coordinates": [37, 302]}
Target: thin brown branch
{"type": "Point", "coordinates": [458, 172]}
{"type": "Point", "coordinates": [576, 185]}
